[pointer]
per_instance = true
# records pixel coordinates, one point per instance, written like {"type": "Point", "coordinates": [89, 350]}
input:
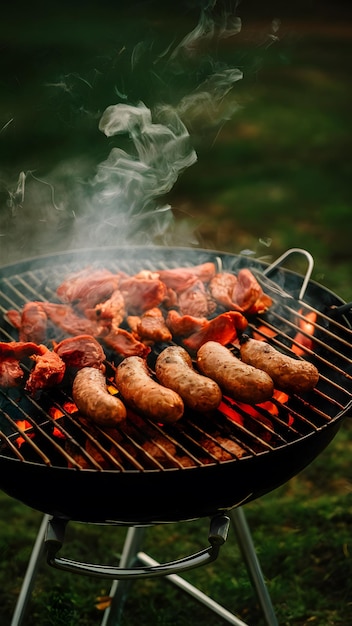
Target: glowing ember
{"type": "Point", "coordinates": [55, 413]}
{"type": "Point", "coordinates": [263, 333]}
{"type": "Point", "coordinates": [305, 342]}
{"type": "Point", "coordinates": [67, 407]}
{"type": "Point", "coordinates": [112, 390]}
{"type": "Point", "coordinates": [22, 426]}
{"type": "Point", "coordinates": [57, 433]}
{"type": "Point", "coordinates": [269, 406]}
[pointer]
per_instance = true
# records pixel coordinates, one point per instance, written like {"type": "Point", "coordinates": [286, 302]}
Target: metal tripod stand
{"type": "Point", "coordinates": [131, 552]}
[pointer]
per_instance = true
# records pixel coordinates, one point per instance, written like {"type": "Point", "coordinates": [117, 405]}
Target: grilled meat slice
{"type": "Point", "coordinates": [182, 278]}
{"type": "Point", "coordinates": [124, 343]}
{"type": "Point", "coordinates": [239, 293]}
{"type": "Point", "coordinates": [31, 323]}
{"type": "Point", "coordinates": [88, 287]}
{"type": "Point", "coordinates": [18, 349]}
{"type": "Point", "coordinates": [195, 301]}
{"type": "Point", "coordinates": [65, 317]}
{"type": "Point", "coordinates": [249, 295]}
{"type": "Point", "coordinates": [80, 351]}
{"type": "Point", "coordinates": [184, 325]}
{"type": "Point", "coordinates": [49, 370]}
{"type": "Point", "coordinates": [11, 373]}
{"type": "Point", "coordinates": [221, 289]}
{"type": "Point", "coordinates": [152, 326]}
{"type": "Point", "coordinates": [112, 310]}
{"type": "Point", "coordinates": [141, 292]}
{"type": "Point", "coordinates": [13, 317]}
{"type": "Point", "coordinates": [34, 323]}
{"type": "Point", "coordinates": [222, 329]}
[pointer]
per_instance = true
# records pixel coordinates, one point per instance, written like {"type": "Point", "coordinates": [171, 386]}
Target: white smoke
{"type": "Point", "coordinates": [163, 151]}
{"type": "Point", "coordinates": [123, 201]}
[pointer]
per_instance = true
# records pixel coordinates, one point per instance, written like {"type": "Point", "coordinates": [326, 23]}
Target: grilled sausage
{"type": "Point", "coordinates": [174, 369]}
{"type": "Point", "coordinates": [92, 398]}
{"type": "Point", "coordinates": [241, 382]}
{"type": "Point", "coordinates": [144, 394]}
{"type": "Point", "coordinates": [289, 374]}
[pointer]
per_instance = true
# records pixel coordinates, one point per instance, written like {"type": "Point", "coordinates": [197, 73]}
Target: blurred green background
{"type": "Point", "coordinates": [274, 173]}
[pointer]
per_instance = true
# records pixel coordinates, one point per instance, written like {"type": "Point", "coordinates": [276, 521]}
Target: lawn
{"type": "Point", "coordinates": [274, 174]}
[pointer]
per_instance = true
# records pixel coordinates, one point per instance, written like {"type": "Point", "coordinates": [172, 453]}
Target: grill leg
{"type": "Point", "coordinates": [245, 543]}
{"type": "Point", "coordinates": [181, 583]}
{"type": "Point", "coordinates": [244, 538]}
{"type": "Point", "coordinates": [119, 588]}
{"type": "Point", "coordinates": [32, 568]}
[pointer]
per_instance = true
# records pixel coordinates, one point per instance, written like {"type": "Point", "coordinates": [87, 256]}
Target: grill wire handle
{"type": "Point", "coordinates": [219, 526]}
{"type": "Point", "coordinates": [284, 256]}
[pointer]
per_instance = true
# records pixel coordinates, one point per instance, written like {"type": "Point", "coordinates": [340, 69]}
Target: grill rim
{"type": "Point", "coordinates": [248, 261]}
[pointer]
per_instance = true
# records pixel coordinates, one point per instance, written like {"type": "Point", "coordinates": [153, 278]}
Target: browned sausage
{"type": "Point", "coordinates": [174, 369]}
{"type": "Point", "coordinates": [92, 398]}
{"type": "Point", "coordinates": [144, 394]}
{"type": "Point", "coordinates": [289, 374]}
{"type": "Point", "coordinates": [236, 379]}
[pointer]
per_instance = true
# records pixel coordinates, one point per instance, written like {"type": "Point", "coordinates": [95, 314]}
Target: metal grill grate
{"type": "Point", "coordinates": [46, 430]}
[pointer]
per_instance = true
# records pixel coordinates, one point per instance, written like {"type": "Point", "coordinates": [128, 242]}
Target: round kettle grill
{"type": "Point", "coordinates": [275, 445]}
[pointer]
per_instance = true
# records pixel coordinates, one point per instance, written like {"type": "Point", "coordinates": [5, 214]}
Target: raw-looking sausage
{"type": "Point", "coordinates": [92, 398]}
{"type": "Point", "coordinates": [289, 374]}
{"type": "Point", "coordinates": [144, 394]}
{"type": "Point", "coordinates": [240, 381]}
{"type": "Point", "coordinates": [174, 369]}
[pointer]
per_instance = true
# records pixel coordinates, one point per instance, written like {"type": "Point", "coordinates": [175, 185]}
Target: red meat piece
{"type": "Point", "coordinates": [49, 370]}
{"type": "Point", "coordinates": [80, 351]}
{"type": "Point", "coordinates": [222, 329]}
{"type": "Point", "coordinates": [182, 278]}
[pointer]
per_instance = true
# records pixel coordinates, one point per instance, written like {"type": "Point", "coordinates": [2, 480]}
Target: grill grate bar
{"type": "Point", "coordinates": [78, 425]}
{"type": "Point", "coordinates": [5, 439]}
{"type": "Point", "coordinates": [140, 426]}
{"type": "Point", "coordinates": [20, 432]}
{"type": "Point", "coordinates": [330, 321]}
{"type": "Point", "coordinates": [318, 341]}
{"type": "Point", "coordinates": [131, 459]}
{"type": "Point", "coordinates": [160, 438]}
{"type": "Point", "coordinates": [137, 447]}
{"type": "Point", "coordinates": [27, 288]}
{"type": "Point", "coordinates": [237, 410]}
{"type": "Point", "coordinates": [71, 441]}
{"type": "Point", "coordinates": [244, 431]}
{"type": "Point", "coordinates": [6, 335]}
{"type": "Point", "coordinates": [35, 427]}
{"type": "Point", "coordinates": [103, 452]}
{"type": "Point", "coordinates": [85, 444]}
{"type": "Point", "coordinates": [177, 442]}
{"type": "Point", "coordinates": [315, 410]}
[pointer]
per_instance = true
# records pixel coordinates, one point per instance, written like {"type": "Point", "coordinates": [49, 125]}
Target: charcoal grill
{"type": "Point", "coordinates": [75, 468]}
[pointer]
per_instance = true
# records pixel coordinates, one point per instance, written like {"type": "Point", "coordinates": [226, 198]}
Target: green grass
{"type": "Point", "coordinates": [276, 175]}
